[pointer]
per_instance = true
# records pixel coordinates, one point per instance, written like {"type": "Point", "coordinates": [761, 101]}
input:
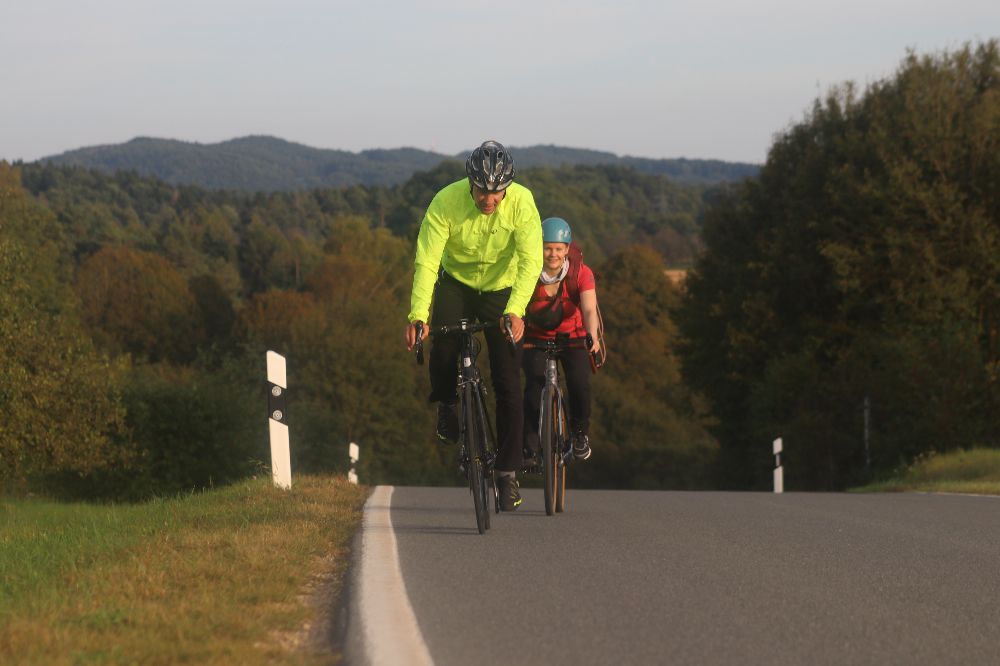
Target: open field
{"type": "Point", "coordinates": [244, 574]}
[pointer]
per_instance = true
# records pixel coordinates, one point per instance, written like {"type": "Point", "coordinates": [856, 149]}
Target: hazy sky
{"type": "Point", "coordinates": [700, 79]}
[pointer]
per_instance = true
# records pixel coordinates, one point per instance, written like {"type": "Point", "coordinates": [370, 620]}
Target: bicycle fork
{"type": "Point", "coordinates": [471, 408]}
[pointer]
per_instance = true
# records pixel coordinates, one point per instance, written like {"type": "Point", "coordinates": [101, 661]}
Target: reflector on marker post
{"type": "Point", "coordinates": [354, 453]}
{"type": "Point", "coordinates": [779, 474]}
{"type": "Point", "coordinates": [277, 387]}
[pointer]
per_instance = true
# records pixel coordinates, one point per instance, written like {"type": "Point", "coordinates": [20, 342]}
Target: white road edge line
{"type": "Point", "coordinates": [390, 630]}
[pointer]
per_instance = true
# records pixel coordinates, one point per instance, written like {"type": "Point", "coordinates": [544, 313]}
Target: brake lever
{"type": "Point", "coordinates": [419, 344]}
{"type": "Point", "coordinates": [509, 329]}
{"type": "Point", "coordinates": [594, 365]}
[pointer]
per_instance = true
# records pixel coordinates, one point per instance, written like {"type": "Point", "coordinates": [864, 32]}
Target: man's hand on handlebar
{"type": "Point", "coordinates": [411, 334]}
{"type": "Point", "coordinates": [516, 331]}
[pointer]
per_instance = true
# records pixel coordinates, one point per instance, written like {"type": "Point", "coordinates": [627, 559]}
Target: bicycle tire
{"type": "Point", "coordinates": [482, 439]}
{"type": "Point", "coordinates": [549, 451]}
{"type": "Point", "coordinates": [474, 446]}
{"type": "Point", "coordinates": [560, 480]}
{"type": "Point", "coordinates": [488, 450]}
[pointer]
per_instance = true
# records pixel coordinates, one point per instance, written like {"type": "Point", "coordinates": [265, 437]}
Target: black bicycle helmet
{"type": "Point", "coordinates": [490, 167]}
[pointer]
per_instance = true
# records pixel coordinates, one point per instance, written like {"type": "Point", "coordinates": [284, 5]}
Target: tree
{"type": "Point", "coordinates": [342, 337]}
{"type": "Point", "coordinates": [215, 309]}
{"type": "Point", "coordinates": [61, 403]}
{"type": "Point", "coordinates": [865, 260]}
{"type": "Point", "coordinates": [266, 258]}
{"type": "Point", "coordinates": [137, 303]}
{"type": "Point", "coordinates": [649, 428]}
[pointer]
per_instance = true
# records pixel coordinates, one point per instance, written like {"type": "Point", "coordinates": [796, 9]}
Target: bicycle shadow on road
{"type": "Point", "coordinates": [438, 530]}
{"type": "Point", "coordinates": [444, 519]}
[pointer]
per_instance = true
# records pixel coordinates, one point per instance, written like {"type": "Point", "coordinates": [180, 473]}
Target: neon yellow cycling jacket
{"type": "Point", "coordinates": [485, 252]}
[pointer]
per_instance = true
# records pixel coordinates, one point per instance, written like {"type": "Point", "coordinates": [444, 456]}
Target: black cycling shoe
{"type": "Point", "coordinates": [581, 447]}
{"type": "Point", "coordinates": [447, 428]}
{"type": "Point", "coordinates": [510, 493]}
{"type": "Point", "coordinates": [531, 457]}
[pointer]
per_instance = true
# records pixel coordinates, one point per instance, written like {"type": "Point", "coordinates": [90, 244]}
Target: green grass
{"type": "Point", "coordinates": [232, 575]}
{"type": "Point", "coordinates": [975, 471]}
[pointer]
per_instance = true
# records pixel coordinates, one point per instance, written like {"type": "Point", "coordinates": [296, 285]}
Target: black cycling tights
{"type": "Point", "coordinates": [453, 301]}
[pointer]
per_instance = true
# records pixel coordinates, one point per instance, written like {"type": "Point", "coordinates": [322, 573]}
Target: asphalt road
{"type": "Point", "coordinates": [703, 578]}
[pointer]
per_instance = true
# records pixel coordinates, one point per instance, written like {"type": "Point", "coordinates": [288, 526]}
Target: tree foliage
{"type": "Point", "coordinates": [61, 413]}
{"type": "Point", "coordinates": [137, 302]}
{"type": "Point", "coordinates": [611, 208]}
{"type": "Point", "coordinates": [650, 429]}
{"type": "Point", "coordinates": [864, 263]}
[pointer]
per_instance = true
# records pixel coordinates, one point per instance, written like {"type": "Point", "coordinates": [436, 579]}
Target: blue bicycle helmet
{"type": "Point", "coordinates": [556, 230]}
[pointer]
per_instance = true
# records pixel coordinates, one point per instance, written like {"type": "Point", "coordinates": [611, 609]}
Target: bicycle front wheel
{"type": "Point", "coordinates": [489, 453]}
{"type": "Point", "coordinates": [476, 447]}
{"type": "Point", "coordinates": [560, 478]}
{"type": "Point", "coordinates": [550, 451]}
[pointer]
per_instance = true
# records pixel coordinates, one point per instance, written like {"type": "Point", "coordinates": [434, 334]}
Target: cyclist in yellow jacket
{"type": "Point", "coordinates": [479, 254]}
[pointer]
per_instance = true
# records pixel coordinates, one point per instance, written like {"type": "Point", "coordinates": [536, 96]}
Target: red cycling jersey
{"type": "Point", "coordinates": [572, 316]}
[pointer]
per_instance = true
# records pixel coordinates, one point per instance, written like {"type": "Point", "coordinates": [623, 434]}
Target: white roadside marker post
{"type": "Point", "coordinates": [277, 384]}
{"type": "Point", "coordinates": [779, 472]}
{"type": "Point", "coordinates": [354, 453]}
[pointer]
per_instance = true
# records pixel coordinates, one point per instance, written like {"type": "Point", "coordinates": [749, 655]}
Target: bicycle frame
{"type": "Point", "coordinates": [472, 403]}
{"type": "Point", "coordinates": [552, 430]}
{"type": "Point", "coordinates": [552, 394]}
{"type": "Point", "coordinates": [477, 450]}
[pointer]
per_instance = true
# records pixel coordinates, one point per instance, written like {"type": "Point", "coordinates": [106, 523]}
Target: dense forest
{"type": "Point", "coordinates": [267, 164]}
{"type": "Point", "coordinates": [847, 299]}
{"type": "Point", "coordinates": [138, 315]}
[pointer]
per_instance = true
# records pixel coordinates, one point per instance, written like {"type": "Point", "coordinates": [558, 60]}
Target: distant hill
{"type": "Point", "coordinates": [680, 169]}
{"type": "Point", "coordinates": [253, 163]}
{"type": "Point", "coordinates": [264, 163]}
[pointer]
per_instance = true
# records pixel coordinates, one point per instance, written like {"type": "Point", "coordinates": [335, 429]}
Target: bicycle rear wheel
{"type": "Point", "coordinates": [550, 451]}
{"type": "Point", "coordinates": [476, 448]}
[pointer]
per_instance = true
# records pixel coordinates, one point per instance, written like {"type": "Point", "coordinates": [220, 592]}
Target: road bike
{"type": "Point", "coordinates": [477, 450]}
{"type": "Point", "coordinates": [553, 434]}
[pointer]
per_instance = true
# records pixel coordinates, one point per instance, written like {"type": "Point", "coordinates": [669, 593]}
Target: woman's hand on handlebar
{"type": "Point", "coordinates": [595, 346]}
{"type": "Point", "coordinates": [411, 334]}
{"type": "Point", "coordinates": [516, 327]}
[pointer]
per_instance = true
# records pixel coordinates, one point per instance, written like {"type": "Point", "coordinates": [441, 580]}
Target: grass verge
{"type": "Point", "coordinates": [232, 575]}
{"type": "Point", "coordinates": [975, 471]}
